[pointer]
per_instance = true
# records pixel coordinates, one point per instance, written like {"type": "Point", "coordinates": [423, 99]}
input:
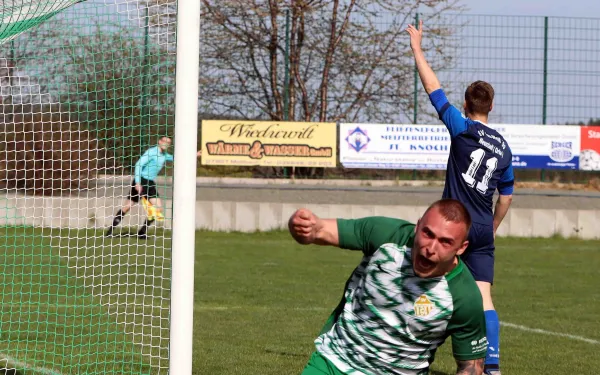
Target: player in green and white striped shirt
{"type": "Point", "coordinates": [409, 293]}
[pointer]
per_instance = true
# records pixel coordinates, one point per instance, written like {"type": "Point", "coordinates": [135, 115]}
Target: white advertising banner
{"type": "Point", "coordinates": [407, 146]}
{"type": "Point", "coordinates": [396, 146]}
{"type": "Point", "coordinates": [542, 146]}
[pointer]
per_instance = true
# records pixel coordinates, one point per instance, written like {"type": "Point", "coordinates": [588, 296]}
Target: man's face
{"type": "Point", "coordinates": [437, 243]}
{"type": "Point", "coordinates": [164, 143]}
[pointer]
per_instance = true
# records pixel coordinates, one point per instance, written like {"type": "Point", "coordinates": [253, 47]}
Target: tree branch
{"type": "Point", "coordinates": [273, 59]}
{"type": "Point", "coordinates": [299, 79]}
{"type": "Point", "coordinates": [333, 43]}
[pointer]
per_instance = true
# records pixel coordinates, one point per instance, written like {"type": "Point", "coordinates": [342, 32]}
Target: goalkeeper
{"type": "Point", "coordinates": [143, 186]}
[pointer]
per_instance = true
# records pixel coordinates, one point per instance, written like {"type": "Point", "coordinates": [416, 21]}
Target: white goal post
{"type": "Point", "coordinates": [184, 189]}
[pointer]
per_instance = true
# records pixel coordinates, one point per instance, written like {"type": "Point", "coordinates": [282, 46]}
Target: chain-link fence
{"type": "Point", "coordinates": [544, 70]}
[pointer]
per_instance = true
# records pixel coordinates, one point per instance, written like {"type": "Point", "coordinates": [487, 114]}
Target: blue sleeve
{"type": "Point", "coordinates": [168, 157]}
{"type": "Point", "coordinates": [449, 114]}
{"type": "Point", "coordinates": [506, 185]}
{"type": "Point", "coordinates": [139, 165]}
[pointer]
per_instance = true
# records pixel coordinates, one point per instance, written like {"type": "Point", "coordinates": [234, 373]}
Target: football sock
{"type": "Point", "coordinates": [118, 218]}
{"type": "Point", "coordinates": [144, 227]}
{"type": "Point", "coordinates": [492, 358]}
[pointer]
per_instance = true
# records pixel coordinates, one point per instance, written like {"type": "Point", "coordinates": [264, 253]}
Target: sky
{"type": "Point", "coordinates": [562, 8]}
{"type": "Point", "coordinates": [510, 56]}
{"type": "Point", "coordinates": [508, 52]}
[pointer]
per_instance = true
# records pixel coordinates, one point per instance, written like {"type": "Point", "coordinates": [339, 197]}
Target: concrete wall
{"type": "Point", "coordinates": [248, 217]}
{"type": "Point", "coordinates": [70, 212]}
{"type": "Point", "coordinates": [83, 212]}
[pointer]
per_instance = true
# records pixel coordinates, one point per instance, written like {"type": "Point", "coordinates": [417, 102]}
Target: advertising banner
{"type": "Point", "coordinates": [542, 146]}
{"type": "Point", "coordinates": [269, 143]}
{"type": "Point", "coordinates": [589, 158]}
{"type": "Point", "coordinates": [396, 146]}
{"type": "Point", "coordinates": [428, 146]}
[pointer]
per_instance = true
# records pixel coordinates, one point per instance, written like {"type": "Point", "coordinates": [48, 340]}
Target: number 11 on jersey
{"type": "Point", "coordinates": [469, 176]}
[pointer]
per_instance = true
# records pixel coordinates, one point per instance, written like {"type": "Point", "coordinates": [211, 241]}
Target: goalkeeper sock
{"type": "Point", "coordinates": [116, 221]}
{"type": "Point", "coordinates": [492, 358]}
{"type": "Point", "coordinates": [118, 218]}
{"type": "Point", "coordinates": [144, 227]}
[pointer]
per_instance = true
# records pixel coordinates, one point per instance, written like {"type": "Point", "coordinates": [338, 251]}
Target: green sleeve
{"type": "Point", "coordinates": [467, 325]}
{"type": "Point", "coordinates": [368, 234]}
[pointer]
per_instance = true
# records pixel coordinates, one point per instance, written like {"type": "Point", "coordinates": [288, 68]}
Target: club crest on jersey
{"type": "Point", "coordinates": [481, 132]}
{"type": "Point", "coordinates": [357, 139]}
{"type": "Point", "coordinates": [423, 306]}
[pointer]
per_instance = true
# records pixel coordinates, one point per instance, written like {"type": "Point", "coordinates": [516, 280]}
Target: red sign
{"type": "Point", "coordinates": [589, 157]}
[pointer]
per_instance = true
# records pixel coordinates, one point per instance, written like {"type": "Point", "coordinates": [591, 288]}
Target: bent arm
{"type": "Point", "coordinates": [471, 367]}
{"type": "Point", "coordinates": [366, 234]}
{"type": "Point", "coordinates": [327, 233]}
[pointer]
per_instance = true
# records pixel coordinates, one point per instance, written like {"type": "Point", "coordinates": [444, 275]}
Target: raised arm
{"type": "Point", "coordinates": [428, 78]}
{"type": "Point", "coordinates": [450, 115]}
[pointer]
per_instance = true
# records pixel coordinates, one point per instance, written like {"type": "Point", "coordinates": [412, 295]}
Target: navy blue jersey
{"type": "Point", "coordinates": [480, 161]}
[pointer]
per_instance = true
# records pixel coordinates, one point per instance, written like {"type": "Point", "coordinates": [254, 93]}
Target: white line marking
{"type": "Point", "coordinates": [259, 308]}
{"type": "Point", "coordinates": [550, 333]}
{"type": "Point", "coordinates": [313, 308]}
{"type": "Point", "coordinates": [510, 325]}
{"type": "Point", "coordinates": [22, 365]}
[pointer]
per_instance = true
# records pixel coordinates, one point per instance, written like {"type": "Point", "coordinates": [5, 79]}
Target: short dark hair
{"type": "Point", "coordinates": [452, 210]}
{"type": "Point", "coordinates": [479, 97]}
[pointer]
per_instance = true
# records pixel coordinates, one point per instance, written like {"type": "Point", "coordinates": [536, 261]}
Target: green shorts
{"type": "Point", "coordinates": [319, 365]}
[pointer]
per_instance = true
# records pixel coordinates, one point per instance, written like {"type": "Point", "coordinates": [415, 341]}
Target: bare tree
{"type": "Point", "coordinates": [348, 59]}
{"type": "Point", "coordinates": [112, 87]}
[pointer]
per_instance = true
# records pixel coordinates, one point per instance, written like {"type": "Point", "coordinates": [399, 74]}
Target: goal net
{"type": "Point", "coordinates": [87, 88]}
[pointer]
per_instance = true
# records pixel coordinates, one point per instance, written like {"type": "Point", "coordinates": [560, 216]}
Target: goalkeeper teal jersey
{"type": "Point", "coordinates": [150, 164]}
{"type": "Point", "coordinates": [390, 321]}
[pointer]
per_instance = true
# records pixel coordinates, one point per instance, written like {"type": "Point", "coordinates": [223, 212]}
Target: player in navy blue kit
{"type": "Point", "coordinates": [480, 162]}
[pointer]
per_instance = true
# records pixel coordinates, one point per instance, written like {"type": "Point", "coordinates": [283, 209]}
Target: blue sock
{"type": "Point", "coordinates": [492, 325]}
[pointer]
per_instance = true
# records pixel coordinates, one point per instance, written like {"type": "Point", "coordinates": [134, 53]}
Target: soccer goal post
{"type": "Point", "coordinates": [99, 108]}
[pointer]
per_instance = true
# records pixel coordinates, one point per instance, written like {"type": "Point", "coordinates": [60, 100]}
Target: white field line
{"type": "Point", "coordinates": [266, 308]}
{"type": "Point", "coordinates": [510, 325]}
{"type": "Point", "coordinates": [550, 333]}
{"type": "Point", "coordinates": [23, 365]}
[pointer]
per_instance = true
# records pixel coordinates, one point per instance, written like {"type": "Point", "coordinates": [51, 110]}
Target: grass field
{"type": "Point", "coordinates": [261, 299]}
{"type": "Point", "coordinates": [74, 302]}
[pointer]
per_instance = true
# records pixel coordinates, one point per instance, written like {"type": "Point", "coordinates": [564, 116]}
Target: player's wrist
{"type": "Point", "coordinates": [326, 232]}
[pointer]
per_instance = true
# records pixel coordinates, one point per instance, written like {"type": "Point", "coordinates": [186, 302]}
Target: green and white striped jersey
{"type": "Point", "coordinates": [390, 321]}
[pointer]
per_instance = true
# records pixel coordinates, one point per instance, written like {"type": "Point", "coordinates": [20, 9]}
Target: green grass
{"type": "Point", "coordinates": [76, 303]}
{"type": "Point", "coordinates": [261, 299]}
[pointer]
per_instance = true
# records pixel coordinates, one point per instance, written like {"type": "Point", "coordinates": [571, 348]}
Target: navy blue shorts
{"type": "Point", "coordinates": [479, 256]}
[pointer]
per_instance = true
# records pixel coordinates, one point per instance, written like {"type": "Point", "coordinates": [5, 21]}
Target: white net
{"type": "Point", "coordinates": [87, 93]}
